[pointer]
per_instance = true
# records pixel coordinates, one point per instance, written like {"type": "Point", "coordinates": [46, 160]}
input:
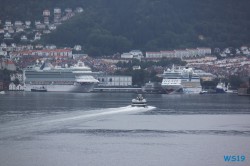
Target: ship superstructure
{"type": "Point", "coordinates": [181, 80]}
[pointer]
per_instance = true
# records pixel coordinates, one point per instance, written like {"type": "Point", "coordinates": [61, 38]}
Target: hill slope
{"type": "Point", "coordinates": [110, 26]}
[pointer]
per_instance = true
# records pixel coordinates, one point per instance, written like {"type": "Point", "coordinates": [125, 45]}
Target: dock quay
{"type": "Point", "coordinates": [117, 89]}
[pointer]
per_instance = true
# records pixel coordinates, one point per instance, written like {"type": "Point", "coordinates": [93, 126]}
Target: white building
{"type": "Point", "coordinates": [192, 52]}
{"type": "Point", "coordinates": [245, 50]}
{"type": "Point", "coordinates": [127, 55]}
{"type": "Point", "coordinates": [27, 24]}
{"type": "Point", "coordinates": [167, 54]}
{"type": "Point", "coordinates": [136, 67]}
{"type": "Point", "coordinates": [37, 36]}
{"type": "Point", "coordinates": [19, 87]}
{"type": "Point", "coordinates": [12, 86]}
{"type": "Point", "coordinates": [8, 23]}
{"type": "Point", "coordinates": [52, 27]}
{"type": "Point", "coordinates": [7, 36]}
{"type": "Point", "coordinates": [18, 23]}
{"type": "Point", "coordinates": [153, 55]}
{"type": "Point", "coordinates": [118, 81]}
{"type": "Point", "coordinates": [136, 54]}
{"type": "Point", "coordinates": [181, 53]}
{"type": "Point", "coordinates": [77, 47]}
{"type": "Point", "coordinates": [204, 51]}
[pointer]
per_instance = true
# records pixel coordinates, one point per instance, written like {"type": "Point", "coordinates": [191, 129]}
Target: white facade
{"type": "Point", "coordinates": [136, 67]}
{"type": "Point", "coordinates": [153, 55]}
{"type": "Point", "coordinates": [136, 54]}
{"type": "Point", "coordinates": [14, 87]}
{"type": "Point", "coordinates": [204, 51]}
{"type": "Point", "coordinates": [192, 52]}
{"type": "Point", "coordinates": [181, 53]}
{"type": "Point", "coordinates": [127, 56]}
{"type": "Point", "coordinates": [115, 81]}
{"type": "Point", "coordinates": [37, 36]}
{"type": "Point", "coordinates": [77, 47]}
{"type": "Point", "coordinates": [167, 54]}
{"type": "Point", "coordinates": [8, 23]}
{"type": "Point", "coordinates": [18, 23]}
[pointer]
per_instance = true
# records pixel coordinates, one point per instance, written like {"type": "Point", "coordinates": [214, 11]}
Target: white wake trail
{"type": "Point", "coordinates": [108, 111]}
{"type": "Point", "coordinates": [57, 121]}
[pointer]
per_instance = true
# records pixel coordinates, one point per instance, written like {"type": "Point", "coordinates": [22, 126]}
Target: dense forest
{"type": "Point", "coordinates": [110, 26]}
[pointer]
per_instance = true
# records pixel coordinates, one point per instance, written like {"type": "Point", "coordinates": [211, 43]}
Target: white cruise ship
{"type": "Point", "coordinates": [77, 78]}
{"type": "Point", "coordinates": [181, 80]}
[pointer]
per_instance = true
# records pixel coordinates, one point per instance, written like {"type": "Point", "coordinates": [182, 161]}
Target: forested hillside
{"type": "Point", "coordinates": [110, 26]}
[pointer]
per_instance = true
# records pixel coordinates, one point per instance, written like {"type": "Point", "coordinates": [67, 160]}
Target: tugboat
{"type": "Point", "coordinates": [39, 89]}
{"type": "Point", "coordinates": [139, 101]}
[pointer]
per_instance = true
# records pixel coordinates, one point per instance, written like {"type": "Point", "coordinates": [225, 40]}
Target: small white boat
{"type": "Point", "coordinates": [2, 92]}
{"type": "Point", "coordinates": [139, 101]}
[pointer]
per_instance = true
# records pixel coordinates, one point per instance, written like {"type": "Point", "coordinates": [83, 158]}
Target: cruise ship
{"type": "Point", "coordinates": [77, 78]}
{"type": "Point", "coordinates": [182, 80]}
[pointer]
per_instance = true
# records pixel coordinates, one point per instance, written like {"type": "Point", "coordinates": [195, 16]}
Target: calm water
{"type": "Point", "coordinates": [63, 129]}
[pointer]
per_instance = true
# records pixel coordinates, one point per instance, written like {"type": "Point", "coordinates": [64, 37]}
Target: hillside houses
{"type": "Point", "coordinates": [7, 64]}
{"type": "Point", "coordinates": [56, 53]}
{"type": "Point", "coordinates": [10, 28]}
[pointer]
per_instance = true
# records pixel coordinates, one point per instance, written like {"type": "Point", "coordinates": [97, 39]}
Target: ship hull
{"type": "Point", "coordinates": [63, 88]}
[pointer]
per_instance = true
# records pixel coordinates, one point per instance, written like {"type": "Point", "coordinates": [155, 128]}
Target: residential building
{"type": "Point", "coordinates": [167, 54]}
{"type": "Point", "coordinates": [127, 56]}
{"type": "Point", "coordinates": [7, 36]}
{"type": "Point", "coordinates": [8, 23]}
{"type": "Point", "coordinates": [136, 67]}
{"type": "Point", "coordinates": [27, 24]}
{"type": "Point", "coordinates": [57, 15]}
{"type": "Point", "coordinates": [204, 51]}
{"type": "Point", "coordinates": [46, 15]}
{"type": "Point", "coordinates": [153, 55]}
{"type": "Point", "coordinates": [77, 47]}
{"type": "Point", "coordinates": [12, 86]}
{"type": "Point", "coordinates": [24, 38]}
{"type": "Point", "coordinates": [44, 53]}
{"type": "Point", "coordinates": [52, 27]}
{"type": "Point", "coordinates": [18, 23]}
{"type": "Point", "coordinates": [181, 53]}
{"type": "Point", "coordinates": [37, 36]}
{"type": "Point", "coordinates": [192, 52]}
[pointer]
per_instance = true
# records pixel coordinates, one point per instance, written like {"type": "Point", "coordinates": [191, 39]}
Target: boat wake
{"type": "Point", "coordinates": [39, 124]}
{"type": "Point", "coordinates": [108, 111]}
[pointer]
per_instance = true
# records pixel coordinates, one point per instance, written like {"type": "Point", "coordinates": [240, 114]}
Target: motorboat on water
{"type": "Point", "coordinates": [2, 92]}
{"type": "Point", "coordinates": [139, 101]}
{"type": "Point", "coordinates": [39, 89]}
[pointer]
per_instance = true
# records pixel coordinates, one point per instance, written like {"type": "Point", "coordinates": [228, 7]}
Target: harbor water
{"type": "Point", "coordinates": [93, 129]}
